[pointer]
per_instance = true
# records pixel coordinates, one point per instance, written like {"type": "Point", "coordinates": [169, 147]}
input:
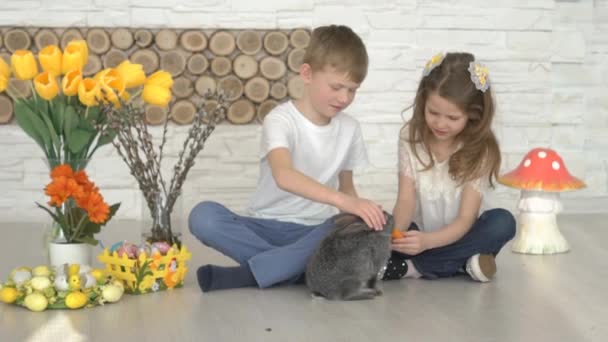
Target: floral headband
{"type": "Point", "coordinates": [479, 72]}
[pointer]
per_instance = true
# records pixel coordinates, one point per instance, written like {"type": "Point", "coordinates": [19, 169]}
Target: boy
{"type": "Point", "coordinates": [309, 149]}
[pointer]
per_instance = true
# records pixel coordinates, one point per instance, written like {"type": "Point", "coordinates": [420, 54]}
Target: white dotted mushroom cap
{"type": "Point", "coordinates": [542, 170]}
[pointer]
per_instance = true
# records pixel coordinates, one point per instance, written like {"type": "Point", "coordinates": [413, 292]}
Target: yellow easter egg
{"type": "Point", "coordinates": [76, 300]}
{"type": "Point", "coordinates": [36, 301]}
{"type": "Point", "coordinates": [9, 295]}
{"type": "Point", "coordinates": [41, 271]}
{"type": "Point", "coordinates": [111, 293]}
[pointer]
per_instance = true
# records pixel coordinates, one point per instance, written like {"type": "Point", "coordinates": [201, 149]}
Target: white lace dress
{"type": "Point", "coordinates": [437, 194]}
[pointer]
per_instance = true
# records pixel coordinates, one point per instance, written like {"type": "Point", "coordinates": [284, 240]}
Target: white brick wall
{"type": "Point", "coordinates": [548, 62]}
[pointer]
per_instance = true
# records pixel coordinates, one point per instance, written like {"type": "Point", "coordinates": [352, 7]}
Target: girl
{"type": "Point", "coordinates": [448, 156]}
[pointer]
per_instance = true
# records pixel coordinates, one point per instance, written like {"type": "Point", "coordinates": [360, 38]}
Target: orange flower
{"type": "Point", "coordinates": [97, 209]}
{"type": "Point", "coordinates": [83, 180]}
{"type": "Point", "coordinates": [60, 189]}
{"type": "Point", "coordinates": [63, 170]}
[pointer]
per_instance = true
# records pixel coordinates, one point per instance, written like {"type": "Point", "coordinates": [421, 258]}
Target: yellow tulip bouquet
{"type": "Point", "coordinates": [64, 114]}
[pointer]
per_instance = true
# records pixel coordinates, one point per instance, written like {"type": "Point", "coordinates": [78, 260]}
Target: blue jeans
{"type": "Point", "coordinates": [492, 230]}
{"type": "Point", "coordinates": [276, 251]}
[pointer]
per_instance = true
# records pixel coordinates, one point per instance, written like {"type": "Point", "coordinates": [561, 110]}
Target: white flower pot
{"type": "Point", "coordinates": [69, 253]}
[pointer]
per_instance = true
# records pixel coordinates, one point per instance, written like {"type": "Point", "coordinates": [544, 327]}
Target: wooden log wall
{"type": "Point", "coordinates": [256, 68]}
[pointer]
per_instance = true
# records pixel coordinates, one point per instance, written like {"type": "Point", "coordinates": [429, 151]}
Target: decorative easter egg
{"type": "Point", "coordinates": [41, 271]}
{"type": "Point", "coordinates": [76, 300]}
{"type": "Point", "coordinates": [21, 275]}
{"type": "Point", "coordinates": [36, 301]}
{"type": "Point", "coordinates": [9, 294]}
{"type": "Point", "coordinates": [90, 281]}
{"type": "Point", "coordinates": [162, 247]}
{"type": "Point", "coordinates": [112, 293]}
{"type": "Point", "coordinates": [40, 283]}
{"type": "Point", "coordinates": [61, 283]}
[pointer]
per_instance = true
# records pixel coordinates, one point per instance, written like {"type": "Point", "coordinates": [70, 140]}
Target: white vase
{"type": "Point", "coordinates": [69, 253]}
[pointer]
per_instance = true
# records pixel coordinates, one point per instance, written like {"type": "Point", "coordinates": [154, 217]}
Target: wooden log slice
{"type": "Point", "coordinates": [173, 62]}
{"type": "Point", "coordinates": [113, 58]}
{"type": "Point", "coordinates": [205, 84]}
{"type": "Point", "coordinates": [278, 91]}
{"type": "Point", "coordinates": [265, 108]}
{"type": "Point", "coordinates": [257, 89]}
{"type": "Point", "coordinates": [221, 66]}
{"type": "Point", "coordinates": [299, 39]}
{"type": "Point", "coordinates": [143, 38]}
{"type": "Point", "coordinates": [155, 115]}
{"type": "Point", "coordinates": [245, 66]}
{"type": "Point", "coordinates": [194, 41]}
{"type": "Point", "coordinates": [197, 64]}
{"type": "Point", "coordinates": [148, 58]}
{"type": "Point", "coordinates": [249, 42]}
{"type": "Point", "coordinates": [17, 39]}
{"type": "Point", "coordinates": [122, 39]}
{"type": "Point", "coordinates": [183, 112]}
{"type": "Point", "coordinates": [93, 65]}
{"type": "Point", "coordinates": [6, 109]}
{"type": "Point", "coordinates": [272, 68]}
{"type": "Point", "coordinates": [45, 37]}
{"type": "Point", "coordinates": [98, 41]}
{"type": "Point", "coordinates": [295, 87]}
{"type": "Point", "coordinates": [209, 107]}
{"type": "Point", "coordinates": [6, 56]}
{"type": "Point", "coordinates": [241, 112]}
{"type": "Point", "coordinates": [295, 58]}
{"type": "Point", "coordinates": [166, 39]}
{"type": "Point", "coordinates": [276, 42]}
{"type": "Point", "coordinates": [69, 35]}
{"type": "Point", "coordinates": [231, 86]}
{"type": "Point", "coordinates": [23, 87]}
{"type": "Point", "coordinates": [222, 43]}
{"type": "Point", "coordinates": [182, 87]}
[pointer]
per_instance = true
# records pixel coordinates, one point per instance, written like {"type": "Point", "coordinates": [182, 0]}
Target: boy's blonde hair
{"type": "Point", "coordinates": [480, 153]}
{"type": "Point", "coordinates": [339, 47]}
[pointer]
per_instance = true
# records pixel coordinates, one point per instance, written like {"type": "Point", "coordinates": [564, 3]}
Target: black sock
{"type": "Point", "coordinates": [396, 267]}
{"type": "Point", "coordinates": [212, 277]}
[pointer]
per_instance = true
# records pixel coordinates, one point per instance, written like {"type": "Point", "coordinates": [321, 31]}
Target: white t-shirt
{"type": "Point", "coordinates": [437, 194]}
{"type": "Point", "coordinates": [320, 152]}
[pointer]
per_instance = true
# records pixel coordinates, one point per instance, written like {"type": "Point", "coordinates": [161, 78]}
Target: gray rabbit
{"type": "Point", "coordinates": [346, 264]}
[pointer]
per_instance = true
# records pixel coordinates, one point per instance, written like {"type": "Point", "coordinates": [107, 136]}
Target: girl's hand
{"type": "Point", "coordinates": [413, 243]}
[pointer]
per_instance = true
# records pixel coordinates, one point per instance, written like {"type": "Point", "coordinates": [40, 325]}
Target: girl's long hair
{"type": "Point", "coordinates": [480, 154]}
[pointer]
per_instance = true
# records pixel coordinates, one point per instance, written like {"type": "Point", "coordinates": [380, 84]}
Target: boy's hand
{"type": "Point", "coordinates": [370, 212]}
{"type": "Point", "coordinates": [413, 243]}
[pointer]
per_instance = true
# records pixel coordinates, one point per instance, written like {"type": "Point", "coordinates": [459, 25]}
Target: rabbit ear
{"type": "Point", "coordinates": [353, 228]}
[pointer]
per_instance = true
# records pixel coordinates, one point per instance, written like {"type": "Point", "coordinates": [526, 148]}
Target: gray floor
{"type": "Point", "coordinates": [533, 298]}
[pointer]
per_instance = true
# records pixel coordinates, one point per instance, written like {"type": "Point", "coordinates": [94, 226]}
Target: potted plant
{"type": "Point", "coordinates": [78, 210]}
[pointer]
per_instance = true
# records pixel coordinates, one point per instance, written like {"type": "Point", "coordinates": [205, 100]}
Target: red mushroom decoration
{"type": "Point", "coordinates": [541, 176]}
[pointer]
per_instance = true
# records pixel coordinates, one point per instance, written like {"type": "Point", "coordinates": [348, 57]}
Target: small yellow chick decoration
{"type": "Point", "coordinates": [74, 279]}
